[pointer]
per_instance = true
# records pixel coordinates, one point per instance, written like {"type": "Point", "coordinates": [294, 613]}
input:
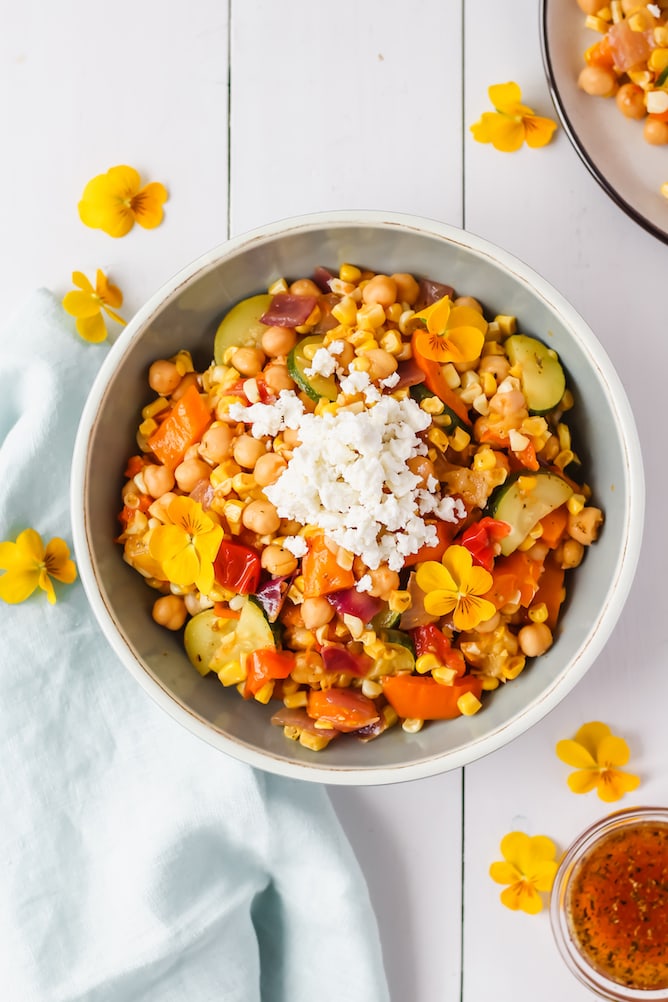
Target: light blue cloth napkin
{"type": "Point", "coordinates": [137, 864]}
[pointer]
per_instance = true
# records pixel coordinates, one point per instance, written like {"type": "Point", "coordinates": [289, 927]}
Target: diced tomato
{"type": "Point", "coordinates": [237, 567]}
{"type": "Point", "coordinates": [481, 540]}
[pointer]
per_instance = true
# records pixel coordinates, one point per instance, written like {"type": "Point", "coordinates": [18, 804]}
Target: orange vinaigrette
{"type": "Point", "coordinates": [616, 905]}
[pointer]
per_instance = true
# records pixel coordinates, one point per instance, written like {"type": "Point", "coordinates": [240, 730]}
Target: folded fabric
{"type": "Point", "coordinates": [136, 862]}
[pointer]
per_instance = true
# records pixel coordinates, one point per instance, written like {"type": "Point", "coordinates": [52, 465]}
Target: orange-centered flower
{"type": "Point", "coordinates": [455, 586]}
{"type": "Point", "coordinates": [87, 304]}
{"type": "Point", "coordinates": [512, 123]}
{"type": "Point", "coordinates": [115, 201]}
{"type": "Point", "coordinates": [597, 755]}
{"type": "Point", "coordinates": [187, 548]}
{"type": "Point", "coordinates": [451, 333]}
{"type": "Point", "coordinates": [528, 867]}
{"type": "Point", "coordinates": [28, 565]}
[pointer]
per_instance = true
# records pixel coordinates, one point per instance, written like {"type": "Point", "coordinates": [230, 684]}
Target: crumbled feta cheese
{"type": "Point", "coordinates": [354, 382]}
{"type": "Point", "coordinates": [270, 419]}
{"type": "Point", "coordinates": [654, 9]}
{"type": "Point", "coordinates": [364, 583]}
{"type": "Point", "coordinates": [656, 102]}
{"type": "Point", "coordinates": [322, 364]}
{"type": "Point", "coordinates": [390, 381]}
{"type": "Point", "coordinates": [336, 347]}
{"type": "Point", "coordinates": [296, 545]}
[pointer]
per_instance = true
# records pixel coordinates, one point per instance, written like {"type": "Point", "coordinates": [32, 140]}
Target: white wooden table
{"type": "Point", "coordinates": [252, 110]}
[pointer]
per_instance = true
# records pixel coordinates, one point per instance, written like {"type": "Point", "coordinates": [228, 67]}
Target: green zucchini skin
{"type": "Point", "coordinates": [541, 373]}
{"type": "Point", "coordinates": [241, 327]}
{"type": "Point", "coordinates": [522, 509]}
{"type": "Point", "coordinates": [315, 386]}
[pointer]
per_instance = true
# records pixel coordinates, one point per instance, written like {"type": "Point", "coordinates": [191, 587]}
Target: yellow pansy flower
{"type": "Point", "coordinates": [187, 547]}
{"type": "Point", "coordinates": [512, 123]}
{"type": "Point", "coordinates": [87, 305]}
{"type": "Point", "coordinates": [115, 201]}
{"type": "Point", "coordinates": [28, 564]}
{"type": "Point", "coordinates": [451, 333]}
{"type": "Point", "coordinates": [455, 586]}
{"type": "Point", "coordinates": [597, 755]}
{"type": "Point", "coordinates": [528, 867]}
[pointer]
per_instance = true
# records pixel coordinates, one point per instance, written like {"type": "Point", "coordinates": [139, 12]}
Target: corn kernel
{"type": "Point", "coordinates": [360, 364]}
{"type": "Point", "coordinates": [389, 715]}
{"type": "Point", "coordinates": [399, 601]}
{"type": "Point", "coordinates": [575, 503]}
{"type": "Point", "coordinates": [349, 273]}
{"type": "Point", "coordinates": [280, 285]}
{"type": "Point", "coordinates": [488, 383]}
{"type": "Point", "coordinates": [664, 189]}
{"type": "Point", "coordinates": [345, 311]}
{"type": "Point", "coordinates": [232, 673]}
{"type": "Point", "coordinates": [642, 78]}
{"type": "Point", "coordinates": [371, 689]}
{"type": "Point", "coordinates": [290, 687]}
{"type": "Point", "coordinates": [264, 694]}
{"type": "Point", "coordinates": [658, 60]}
{"type": "Point", "coordinates": [183, 362]}
{"type": "Point", "coordinates": [155, 407]}
{"type": "Point", "coordinates": [391, 342]}
{"type": "Point", "coordinates": [489, 683]}
{"type": "Point", "coordinates": [244, 483]}
{"type": "Point", "coordinates": [538, 613]}
{"type": "Point", "coordinates": [484, 459]}
{"type": "Point", "coordinates": [314, 742]}
{"type": "Point", "coordinates": [616, 11]}
{"type": "Point", "coordinates": [426, 663]}
{"type": "Point", "coordinates": [451, 376]}
{"type": "Point", "coordinates": [507, 324]}
{"type": "Point", "coordinates": [492, 336]}
{"type": "Point", "coordinates": [596, 24]}
{"type": "Point", "coordinates": [438, 438]}
{"type": "Point", "coordinates": [605, 13]}
{"type": "Point", "coordinates": [468, 704]}
{"type": "Point", "coordinates": [412, 725]}
{"type": "Point", "coordinates": [514, 667]}
{"type": "Point", "coordinates": [312, 319]}
{"type": "Point", "coordinates": [394, 312]}
{"type": "Point", "coordinates": [563, 458]}
{"type": "Point", "coordinates": [404, 319]}
{"type": "Point", "coordinates": [146, 428]}
{"type": "Point", "coordinates": [526, 484]}
{"type": "Point", "coordinates": [376, 649]}
{"type": "Point", "coordinates": [323, 725]}
{"type": "Point", "coordinates": [432, 405]}
{"type": "Point", "coordinates": [291, 733]}
{"type": "Point", "coordinates": [526, 544]}
{"type": "Point", "coordinates": [481, 404]}
{"type": "Point", "coordinates": [636, 22]}
{"type": "Point", "coordinates": [444, 676]}
{"type": "Point", "coordinates": [370, 316]}
{"type": "Point", "coordinates": [661, 34]}
{"type": "Point", "coordinates": [233, 511]}
{"type": "Point", "coordinates": [354, 624]}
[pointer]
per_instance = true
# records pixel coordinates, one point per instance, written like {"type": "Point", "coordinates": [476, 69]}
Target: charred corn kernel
{"type": "Point", "coordinates": [616, 11]}
{"type": "Point", "coordinates": [468, 704]}
{"type": "Point", "coordinates": [341, 288]}
{"type": "Point", "coordinates": [280, 285]}
{"type": "Point", "coordinates": [426, 663]}
{"type": "Point", "coordinates": [444, 676]}
{"type": "Point", "coordinates": [264, 694]}
{"type": "Point", "coordinates": [243, 484]}
{"type": "Point", "coordinates": [371, 689]}
{"type": "Point", "coordinates": [349, 273]}
{"type": "Point", "coordinates": [232, 673]}
{"type": "Point", "coordinates": [391, 342]}
{"type": "Point", "coordinates": [563, 458]}
{"type": "Point", "coordinates": [345, 311]}
{"type": "Point", "coordinates": [489, 683]}
{"type": "Point", "coordinates": [183, 362]}
{"type": "Point", "coordinates": [323, 725]}
{"type": "Point", "coordinates": [403, 320]}
{"type": "Point", "coordinates": [514, 666]}
{"type": "Point", "coordinates": [488, 383]}
{"type": "Point", "coordinates": [394, 312]}
{"type": "Point", "coordinates": [147, 427]}
{"type": "Point", "coordinates": [575, 503]}
{"type": "Point", "coordinates": [389, 715]}
{"type": "Point", "coordinates": [538, 613]}
{"type": "Point", "coordinates": [661, 34]}
{"type": "Point", "coordinates": [507, 324]}
{"type": "Point", "coordinates": [460, 439]}
{"type": "Point", "coordinates": [155, 407]}
{"type": "Point", "coordinates": [412, 725]}
{"type": "Point", "coordinates": [658, 60]}
{"type": "Point", "coordinates": [360, 364]}
{"type": "Point", "coordinates": [451, 376]}
{"type": "Point", "coordinates": [399, 601]}
{"type": "Point", "coordinates": [484, 459]}
{"type": "Point", "coordinates": [526, 484]}
{"type": "Point", "coordinates": [432, 405]}
{"type": "Point", "coordinates": [596, 23]}
{"type": "Point", "coordinates": [291, 733]}
{"type": "Point", "coordinates": [314, 742]}
{"type": "Point", "coordinates": [438, 438]}
{"type": "Point", "coordinates": [233, 511]}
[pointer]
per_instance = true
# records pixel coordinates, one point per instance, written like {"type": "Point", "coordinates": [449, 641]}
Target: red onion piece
{"type": "Point", "coordinates": [322, 277]}
{"type": "Point", "coordinates": [416, 615]}
{"type": "Point", "coordinates": [410, 374]}
{"type": "Point", "coordinates": [431, 292]}
{"type": "Point", "coordinates": [271, 596]}
{"type": "Point", "coordinates": [350, 602]}
{"type": "Point", "coordinates": [341, 661]}
{"type": "Point", "coordinates": [288, 311]}
{"type": "Point", "coordinates": [203, 493]}
{"type": "Point", "coordinates": [298, 717]}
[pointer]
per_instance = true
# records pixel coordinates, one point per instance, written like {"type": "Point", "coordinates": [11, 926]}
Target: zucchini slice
{"type": "Point", "coordinates": [315, 386]}
{"type": "Point", "coordinates": [447, 419]}
{"type": "Point", "coordinates": [241, 327]}
{"type": "Point", "coordinates": [202, 637]}
{"type": "Point", "coordinates": [541, 374]}
{"type": "Point", "coordinates": [523, 500]}
{"type": "Point", "coordinates": [212, 642]}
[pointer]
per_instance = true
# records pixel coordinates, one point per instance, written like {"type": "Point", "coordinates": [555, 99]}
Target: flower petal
{"type": "Point", "coordinates": [18, 585]}
{"type": "Point", "coordinates": [440, 603]}
{"type": "Point", "coordinates": [11, 557]}
{"type": "Point", "coordinates": [613, 784]}
{"type": "Point", "coordinates": [507, 135]}
{"type": "Point", "coordinates": [505, 96]}
{"type": "Point", "coordinates": [166, 541]}
{"type": "Point", "coordinates": [515, 849]}
{"type": "Point", "coordinates": [542, 848]}
{"type": "Point", "coordinates": [58, 561]}
{"type": "Point", "coordinates": [590, 736]}
{"type": "Point", "coordinates": [539, 131]}
{"type": "Point", "coordinates": [522, 897]}
{"type": "Point", "coordinates": [458, 561]}
{"type": "Point", "coordinates": [92, 329]}
{"type": "Point", "coordinates": [80, 280]}
{"type": "Point", "coordinates": [80, 304]}
{"type": "Point", "coordinates": [183, 568]}
{"type": "Point", "coordinates": [542, 874]}
{"type": "Point", "coordinates": [504, 873]}
{"type": "Point", "coordinates": [612, 751]}
{"type": "Point", "coordinates": [464, 344]}
{"type": "Point", "coordinates": [433, 576]}
{"type": "Point", "coordinates": [30, 545]}
{"type": "Point", "coordinates": [483, 129]}
{"type": "Point", "coordinates": [110, 294]}
{"type": "Point", "coordinates": [583, 781]}
{"type": "Point", "coordinates": [46, 585]}
{"type": "Point", "coordinates": [114, 316]}
{"type": "Point", "coordinates": [469, 611]}
{"type": "Point", "coordinates": [466, 316]}
{"type": "Point", "coordinates": [208, 543]}
{"type": "Point", "coordinates": [123, 181]}
{"type": "Point", "coordinates": [435, 347]}
{"type": "Point", "coordinates": [147, 205]}
{"type": "Point", "coordinates": [575, 754]}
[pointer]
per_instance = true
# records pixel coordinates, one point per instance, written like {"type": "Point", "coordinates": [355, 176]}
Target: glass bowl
{"type": "Point", "coordinates": [609, 905]}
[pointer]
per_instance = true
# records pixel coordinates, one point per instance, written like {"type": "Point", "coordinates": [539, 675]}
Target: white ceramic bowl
{"type": "Point", "coordinates": [184, 314]}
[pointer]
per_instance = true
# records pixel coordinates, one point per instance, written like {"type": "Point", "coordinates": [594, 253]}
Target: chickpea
{"type": "Point", "coordinates": [170, 611]}
{"type": "Point", "coordinates": [316, 612]}
{"type": "Point", "coordinates": [163, 377]}
{"type": "Point", "coordinates": [381, 363]}
{"type": "Point", "coordinates": [278, 561]}
{"type": "Point", "coordinates": [277, 377]}
{"type": "Point", "coordinates": [346, 355]}
{"type": "Point", "coordinates": [247, 450]}
{"type": "Point", "coordinates": [597, 81]}
{"type": "Point", "coordinates": [278, 341]}
{"type": "Point", "coordinates": [408, 289]}
{"type": "Point", "coordinates": [585, 525]}
{"type": "Point", "coordinates": [190, 379]}
{"type": "Point", "coordinates": [190, 472]}
{"type": "Point", "coordinates": [572, 553]}
{"type": "Point", "coordinates": [260, 516]}
{"type": "Point", "coordinates": [469, 301]}
{"type": "Point", "coordinates": [422, 468]}
{"type": "Point", "coordinates": [304, 287]}
{"type": "Point", "coordinates": [269, 468]}
{"type": "Point", "coordinates": [655, 132]}
{"type": "Point", "coordinates": [158, 480]}
{"type": "Point", "coordinates": [489, 625]}
{"type": "Point", "coordinates": [535, 639]}
{"type": "Point", "coordinates": [380, 289]}
{"type": "Point", "coordinates": [383, 581]}
{"type": "Point", "coordinates": [498, 365]}
{"type": "Point", "coordinates": [216, 444]}
{"type": "Point", "coordinates": [630, 100]}
{"type": "Point", "coordinates": [291, 438]}
{"type": "Point", "coordinates": [248, 361]}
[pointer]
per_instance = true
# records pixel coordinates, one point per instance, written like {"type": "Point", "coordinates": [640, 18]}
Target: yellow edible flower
{"type": "Point", "coordinates": [512, 123]}
{"type": "Point", "coordinates": [452, 333]}
{"type": "Point", "coordinates": [597, 755]}
{"type": "Point", "coordinates": [528, 867]}
{"type": "Point", "coordinates": [187, 547]}
{"type": "Point", "coordinates": [115, 201]}
{"type": "Point", "coordinates": [455, 585]}
{"type": "Point", "coordinates": [88, 303]}
{"type": "Point", "coordinates": [28, 565]}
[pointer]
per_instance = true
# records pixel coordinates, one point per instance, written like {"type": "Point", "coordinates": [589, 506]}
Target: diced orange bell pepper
{"type": "Point", "coordinates": [184, 426]}
{"type": "Point", "coordinates": [551, 590]}
{"type": "Point", "coordinates": [266, 665]}
{"type": "Point", "coordinates": [420, 697]}
{"type": "Point", "coordinates": [446, 532]}
{"type": "Point", "coordinates": [345, 709]}
{"type": "Point", "coordinates": [553, 526]}
{"type": "Point", "coordinates": [525, 459]}
{"type": "Point", "coordinates": [512, 574]}
{"type": "Point", "coordinates": [322, 574]}
{"type": "Point", "coordinates": [600, 54]}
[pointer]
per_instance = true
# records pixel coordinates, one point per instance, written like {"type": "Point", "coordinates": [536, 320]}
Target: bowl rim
{"type": "Point", "coordinates": [319, 771]}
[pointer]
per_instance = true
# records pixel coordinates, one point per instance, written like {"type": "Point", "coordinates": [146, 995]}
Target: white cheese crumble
{"type": "Point", "coordinates": [654, 9]}
{"type": "Point", "coordinates": [323, 363]}
{"type": "Point", "coordinates": [297, 545]}
{"type": "Point", "coordinates": [350, 477]}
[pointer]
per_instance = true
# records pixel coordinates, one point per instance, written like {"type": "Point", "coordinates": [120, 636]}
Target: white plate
{"type": "Point", "coordinates": [611, 146]}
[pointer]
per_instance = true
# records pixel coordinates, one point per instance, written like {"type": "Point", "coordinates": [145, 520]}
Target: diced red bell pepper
{"type": "Point", "coordinates": [237, 567]}
{"type": "Point", "coordinates": [430, 640]}
{"type": "Point", "coordinates": [480, 540]}
{"type": "Point", "coordinates": [420, 697]}
{"type": "Point", "coordinates": [266, 665]}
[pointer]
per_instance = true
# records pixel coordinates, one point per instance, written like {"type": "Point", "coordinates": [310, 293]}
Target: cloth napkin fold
{"type": "Point", "coordinates": [136, 862]}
